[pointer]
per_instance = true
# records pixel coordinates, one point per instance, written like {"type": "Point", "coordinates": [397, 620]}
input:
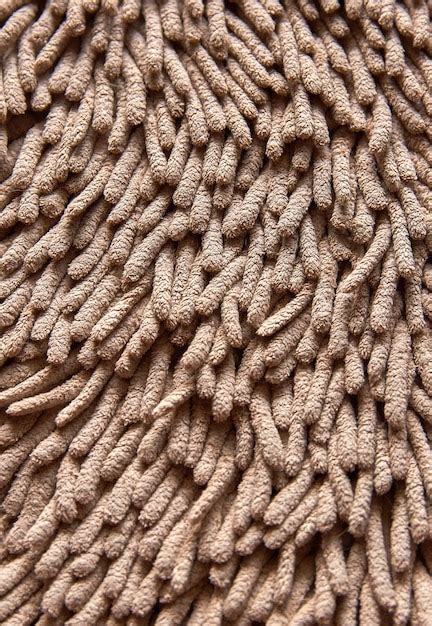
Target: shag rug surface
{"type": "Point", "coordinates": [215, 312]}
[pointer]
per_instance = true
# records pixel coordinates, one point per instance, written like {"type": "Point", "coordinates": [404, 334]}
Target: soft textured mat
{"type": "Point", "coordinates": [216, 308]}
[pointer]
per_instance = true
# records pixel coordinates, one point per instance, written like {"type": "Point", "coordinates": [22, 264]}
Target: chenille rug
{"type": "Point", "coordinates": [215, 312]}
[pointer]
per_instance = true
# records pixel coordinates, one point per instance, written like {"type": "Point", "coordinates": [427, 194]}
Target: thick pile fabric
{"type": "Point", "coordinates": [215, 312]}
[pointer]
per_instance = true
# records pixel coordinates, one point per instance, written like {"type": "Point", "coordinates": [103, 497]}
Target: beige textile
{"type": "Point", "coordinates": [215, 312]}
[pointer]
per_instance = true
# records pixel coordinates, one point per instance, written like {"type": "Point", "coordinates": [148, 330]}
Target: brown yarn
{"type": "Point", "coordinates": [215, 314]}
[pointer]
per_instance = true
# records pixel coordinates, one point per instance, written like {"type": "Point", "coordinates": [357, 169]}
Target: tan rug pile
{"type": "Point", "coordinates": [216, 312]}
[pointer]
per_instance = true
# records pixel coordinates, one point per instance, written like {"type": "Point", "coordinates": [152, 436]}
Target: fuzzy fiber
{"type": "Point", "coordinates": [215, 312]}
